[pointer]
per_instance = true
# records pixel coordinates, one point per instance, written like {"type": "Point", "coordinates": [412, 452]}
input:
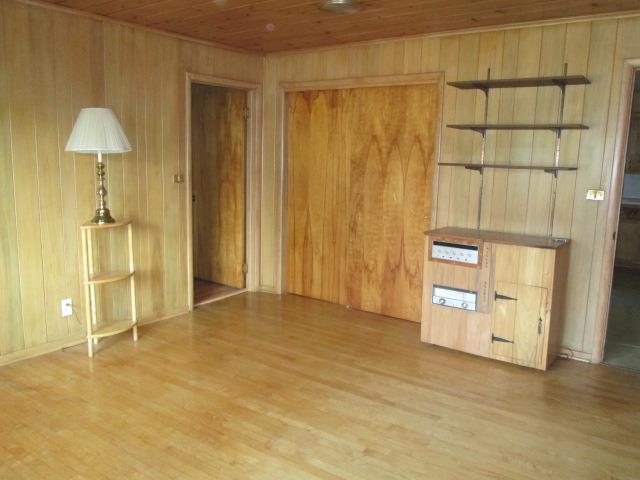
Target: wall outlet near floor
{"type": "Point", "coordinates": [66, 307]}
{"type": "Point", "coordinates": [597, 195]}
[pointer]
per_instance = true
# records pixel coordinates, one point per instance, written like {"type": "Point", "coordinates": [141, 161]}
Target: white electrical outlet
{"type": "Point", "coordinates": [597, 195]}
{"type": "Point", "coordinates": [66, 307]}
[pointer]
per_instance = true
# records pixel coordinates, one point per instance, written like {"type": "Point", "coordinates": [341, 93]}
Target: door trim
{"type": "Point", "coordinates": [613, 212]}
{"type": "Point", "coordinates": [285, 87]}
{"type": "Point", "coordinates": [253, 168]}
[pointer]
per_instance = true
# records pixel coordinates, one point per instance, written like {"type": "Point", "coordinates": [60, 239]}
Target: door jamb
{"type": "Point", "coordinates": [253, 169]}
{"type": "Point", "coordinates": [613, 212]}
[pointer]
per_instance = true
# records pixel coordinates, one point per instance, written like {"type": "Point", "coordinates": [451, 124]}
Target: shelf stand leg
{"type": "Point", "coordinates": [92, 288]}
{"type": "Point", "coordinates": [87, 294]}
{"type": "Point", "coordinates": [134, 317]}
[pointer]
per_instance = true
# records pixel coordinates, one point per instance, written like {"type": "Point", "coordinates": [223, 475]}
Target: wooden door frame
{"type": "Point", "coordinates": [613, 212]}
{"type": "Point", "coordinates": [253, 174]}
{"type": "Point", "coordinates": [285, 87]}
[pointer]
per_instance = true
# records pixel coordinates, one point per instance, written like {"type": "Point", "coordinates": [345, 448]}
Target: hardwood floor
{"type": "Point", "coordinates": [258, 386]}
{"type": "Point", "coordinates": [205, 291]}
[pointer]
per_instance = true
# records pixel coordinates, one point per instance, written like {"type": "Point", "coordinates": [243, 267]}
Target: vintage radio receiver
{"type": "Point", "coordinates": [448, 251]}
{"type": "Point", "coordinates": [454, 297]}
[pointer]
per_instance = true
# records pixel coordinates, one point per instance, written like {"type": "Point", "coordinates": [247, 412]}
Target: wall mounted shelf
{"type": "Point", "coordinates": [556, 81]}
{"type": "Point", "coordinates": [483, 127]}
{"type": "Point", "coordinates": [479, 167]}
{"type": "Point", "coordinates": [561, 81]}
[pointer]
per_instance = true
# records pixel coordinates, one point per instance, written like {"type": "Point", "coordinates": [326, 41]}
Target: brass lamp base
{"type": "Point", "coordinates": [103, 215]}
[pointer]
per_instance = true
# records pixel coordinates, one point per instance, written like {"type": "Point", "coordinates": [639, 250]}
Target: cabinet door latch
{"type": "Point", "coordinates": [539, 326]}
{"type": "Point", "coordinates": [499, 339]}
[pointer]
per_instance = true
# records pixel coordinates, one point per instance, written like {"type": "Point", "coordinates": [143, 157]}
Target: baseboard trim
{"type": "Point", "coordinates": [51, 347]}
{"type": "Point", "coordinates": [575, 355]}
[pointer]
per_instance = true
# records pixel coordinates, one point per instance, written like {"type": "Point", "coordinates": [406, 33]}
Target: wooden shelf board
{"type": "Point", "coordinates": [491, 236]}
{"type": "Point", "coordinates": [112, 329]}
{"type": "Point", "coordinates": [557, 81]}
{"type": "Point", "coordinates": [109, 277]}
{"type": "Point", "coordinates": [98, 226]}
{"type": "Point", "coordinates": [481, 127]}
{"type": "Point", "coordinates": [477, 166]}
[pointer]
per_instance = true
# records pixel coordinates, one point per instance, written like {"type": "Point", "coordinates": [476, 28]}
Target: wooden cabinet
{"type": "Point", "coordinates": [512, 296]}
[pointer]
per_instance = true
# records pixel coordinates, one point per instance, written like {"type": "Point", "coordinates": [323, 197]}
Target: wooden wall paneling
{"type": "Point", "coordinates": [490, 56]}
{"type": "Point", "coordinates": [111, 241]}
{"type": "Point", "coordinates": [87, 89]}
{"type": "Point", "coordinates": [497, 180]}
{"type": "Point", "coordinates": [429, 55]}
{"type": "Point", "coordinates": [583, 48]}
{"type": "Point", "coordinates": [154, 72]}
{"type": "Point", "coordinates": [41, 28]}
{"type": "Point", "coordinates": [627, 48]}
{"type": "Point", "coordinates": [522, 141]}
{"type": "Point", "coordinates": [412, 57]}
{"type": "Point", "coordinates": [547, 108]}
{"type": "Point", "coordinates": [130, 194]}
{"type": "Point", "coordinates": [53, 65]}
{"type": "Point", "coordinates": [16, 18]}
{"type": "Point", "coordinates": [172, 107]}
{"type": "Point", "coordinates": [462, 196]}
{"type": "Point", "coordinates": [358, 61]}
{"type": "Point", "coordinates": [449, 50]}
{"type": "Point", "coordinates": [11, 320]}
{"type": "Point", "coordinates": [143, 229]}
{"type": "Point", "coordinates": [596, 106]}
{"type": "Point", "coordinates": [64, 120]}
{"type": "Point", "coordinates": [576, 56]}
{"type": "Point", "coordinates": [272, 265]}
{"type": "Point", "coordinates": [336, 62]}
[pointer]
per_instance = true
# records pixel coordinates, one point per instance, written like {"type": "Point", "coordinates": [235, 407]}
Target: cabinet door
{"type": "Point", "coordinates": [519, 319]}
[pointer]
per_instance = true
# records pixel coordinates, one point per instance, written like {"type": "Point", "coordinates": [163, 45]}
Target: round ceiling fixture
{"type": "Point", "coordinates": [341, 6]}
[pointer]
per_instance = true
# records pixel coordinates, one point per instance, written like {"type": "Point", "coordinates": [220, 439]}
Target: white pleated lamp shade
{"type": "Point", "coordinates": [97, 130]}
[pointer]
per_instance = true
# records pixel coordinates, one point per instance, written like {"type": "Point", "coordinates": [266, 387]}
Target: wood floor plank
{"type": "Point", "coordinates": [260, 386]}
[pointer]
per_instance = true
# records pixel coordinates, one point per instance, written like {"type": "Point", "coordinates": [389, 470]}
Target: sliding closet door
{"type": "Point", "coordinates": [218, 144]}
{"type": "Point", "coordinates": [360, 166]}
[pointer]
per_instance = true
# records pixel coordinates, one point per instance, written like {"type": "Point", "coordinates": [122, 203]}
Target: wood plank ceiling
{"type": "Point", "coordinates": [276, 25]}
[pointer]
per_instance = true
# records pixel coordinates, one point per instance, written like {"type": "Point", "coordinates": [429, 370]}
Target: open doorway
{"type": "Point", "coordinates": [622, 347]}
{"type": "Point", "coordinates": [218, 187]}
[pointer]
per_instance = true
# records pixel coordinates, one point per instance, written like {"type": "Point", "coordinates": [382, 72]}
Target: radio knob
{"type": "Point", "coordinates": [465, 305]}
{"type": "Point", "coordinates": [442, 301]}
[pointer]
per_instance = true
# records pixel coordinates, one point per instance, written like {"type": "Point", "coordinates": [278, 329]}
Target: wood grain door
{"type": "Point", "coordinates": [218, 146]}
{"type": "Point", "coordinates": [360, 166]}
{"type": "Point", "coordinates": [519, 319]}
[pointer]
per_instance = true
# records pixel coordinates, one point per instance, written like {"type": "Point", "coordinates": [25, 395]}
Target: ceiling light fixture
{"type": "Point", "coordinates": [341, 6]}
